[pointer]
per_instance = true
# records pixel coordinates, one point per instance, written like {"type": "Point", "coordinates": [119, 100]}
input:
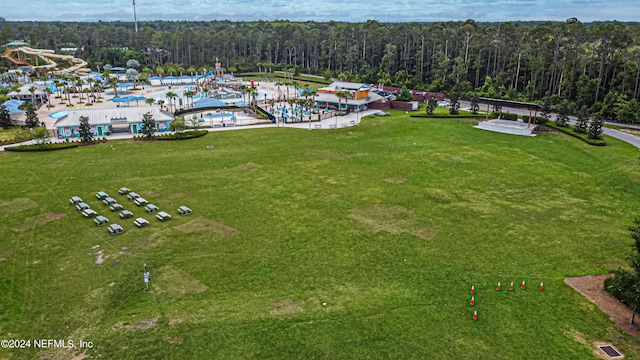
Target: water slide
{"type": "Point", "coordinates": [47, 56]}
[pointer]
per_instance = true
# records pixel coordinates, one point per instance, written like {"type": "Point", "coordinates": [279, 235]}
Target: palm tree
{"type": "Point", "coordinates": [161, 103]}
{"type": "Point", "coordinates": [190, 94]}
{"type": "Point", "coordinates": [32, 90]}
{"type": "Point", "coordinates": [79, 84]}
{"type": "Point", "coordinates": [113, 81]}
{"type": "Point", "coordinates": [47, 90]}
{"type": "Point", "coordinates": [150, 101]}
{"type": "Point", "coordinates": [98, 89]}
{"type": "Point", "coordinates": [58, 85]}
{"type": "Point", "coordinates": [90, 81]}
{"type": "Point", "coordinates": [342, 94]}
{"type": "Point", "coordinates": [252, 91]}
{"type": "Point", "coordinates": [171, 95]}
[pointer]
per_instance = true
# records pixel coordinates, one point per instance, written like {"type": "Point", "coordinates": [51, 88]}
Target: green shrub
{"type": "Point", "coordinates": [571, 132]}
{"type": "Point", "coordinates": [504, 116]}
{"type": "Point", "coordinates": [535, 119]}
{"type": "Point", "coordinates": [447, 116]}
{"type": "Point", "coordinates": [185, 135]}
{"type": "Point", "coordinates": [41, 147]}
{"type": "Point", "coordinates": [620, 287]}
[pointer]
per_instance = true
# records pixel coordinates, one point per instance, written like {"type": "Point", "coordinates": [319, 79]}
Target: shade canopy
{"type": "Point", "coordinates": [209, 103]}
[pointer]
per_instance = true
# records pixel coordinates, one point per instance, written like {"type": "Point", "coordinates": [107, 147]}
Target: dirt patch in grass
{"type": "Point", "coordinates": [35, 221]}
{"type": "Point", "coordinates": [249, 166]}
{"type": "Point", "coordinates": [326, 154]}
{"type": "Point", "coordinates": [395, 180]}
{"type": "Point", "coordinates": [54, 217]}
{"type": "Point", "coordinates": [592, 287]}
{"type": "Point", "coordinates": [176, 283]}
{"type": "Point", "coordinates": [16, 205]}
{"type": "Point", "coordinates": [142, 325]}
{"type": "Point", "coordinates": [150, 241]}
{"type": "Point", "coordinates": [285, 307]}
{"type": "Point", "coordinates": [170, 176]}
{"type": "Point", "coordinates": [392, 219]}
{"type": "Point", "coordinates": [176, 320]}
{"type": "Point", "coordinates": [174, 341]}
{"type": "Point", "coordinates": [149, 193]}
{"type": "Point", "coordinates": [201, 224]}
{"type": "Point", "coordinates": [101, 256]}
{"type": "Point", "coordinates": [175, 196]}
{"type": "Point", "coordinates": [298, 196]}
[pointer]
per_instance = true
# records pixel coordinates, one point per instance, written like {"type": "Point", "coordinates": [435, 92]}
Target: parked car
{"type": "Point", "coordinates": [89, 213]}
{"type": "Point", "coordinates": [109, 201]}
{"type": "Point", "coordinates": [101, 220]}
{"type": "Point", "coordinates": [183, 210]}
{"type": "Point", "coordinates": [151, 209]}
{"type": "Point", "coordinates": [140, 201]}
{"type": "Point", "coordinates": [132, 196]}
{"type": "Point", "coordinates": [102, 195]}
{"type": "Point", "coordinates": [125, 214]}
{"type": "Point", "coordinates": [141, 222]}
{"type": "Point", "coordinates": [83, 206]}
{"type": "Point", "coordinates": [162, 216]}
{"type": "Point", "coordinates": [75, 200]}
{"type": "Point", "coordinates": [116, 207]}
{"type": "Point", "coordinates": [115, 229]}
{"type": "Point", "coordinates": [124, 191]}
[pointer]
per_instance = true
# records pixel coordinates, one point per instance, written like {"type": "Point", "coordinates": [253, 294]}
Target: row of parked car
{"type": "Point", "coordinates": [115, 229]}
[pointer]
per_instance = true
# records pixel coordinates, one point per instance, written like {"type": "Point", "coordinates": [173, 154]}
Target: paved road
{"type": "Point", "coordinates": [628, 138]}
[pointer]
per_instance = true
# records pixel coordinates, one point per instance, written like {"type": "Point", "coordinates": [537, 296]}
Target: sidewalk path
{"type": "Point", "coordinates": [352, 119]}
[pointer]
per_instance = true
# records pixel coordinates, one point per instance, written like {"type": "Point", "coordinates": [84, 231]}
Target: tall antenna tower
{"type": "Point", "coordinates": [135, 19]}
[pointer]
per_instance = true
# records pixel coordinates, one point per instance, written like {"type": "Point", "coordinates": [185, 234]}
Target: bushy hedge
{"type": "Point", "coordinates": [504, 116]}
{"type": "Point", "coordinates": [447, 116]}
{"type": "Point", "coordinates": [621, 287]}
{"type": "Point", "coordinates": [535, 119]}
{"type": "Point", "coordinates": [569, 131]}
{"type": "Point", "coordinates": [185, 135]}
{"type": "Point", "coordinates": [41, 147]}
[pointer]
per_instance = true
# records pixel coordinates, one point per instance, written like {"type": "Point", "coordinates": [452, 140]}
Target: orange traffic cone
{"type": "Point", "coordinates": [541, 286]}
{"type": "Point", "coordinates": [522, 286]}
{"type": "Point", "coordinates": [473, 290]}
{"type": "Point", "coordinates": [475, 315]}
{"type": "Point", "coordinates": [498, 287]}
{"type": "Point", "coordinates": [511, 286]}
{"type": "Point", "coordinates": [473, 301]}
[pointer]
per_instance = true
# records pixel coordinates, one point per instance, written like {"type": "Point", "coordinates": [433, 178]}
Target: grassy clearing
{"type": "Point", "coordinates": [388, 224]}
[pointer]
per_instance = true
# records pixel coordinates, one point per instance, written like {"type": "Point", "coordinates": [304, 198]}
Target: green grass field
{"type": "Point", "coordinates": [389, 224]}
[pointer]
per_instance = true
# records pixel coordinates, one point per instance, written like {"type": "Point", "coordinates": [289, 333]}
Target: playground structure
{"type": "Point", "coordinates": [19, 55]}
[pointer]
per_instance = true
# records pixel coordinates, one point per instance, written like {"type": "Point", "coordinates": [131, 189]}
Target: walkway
{"type": "Point", "coordinates": [352, 119]}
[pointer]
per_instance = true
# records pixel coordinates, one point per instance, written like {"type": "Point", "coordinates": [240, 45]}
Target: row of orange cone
{"type": "Point", "coordinates": [523, 286]}
{"type": "Point", "coordinates": [498, 288]}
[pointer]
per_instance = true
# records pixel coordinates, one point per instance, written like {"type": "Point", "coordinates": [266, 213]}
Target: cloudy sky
{"type": "Point", "coordinates": [324, 10]}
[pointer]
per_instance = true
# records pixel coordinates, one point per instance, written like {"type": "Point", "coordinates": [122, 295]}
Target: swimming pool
{"type": "Point", "coordinates": [59, 114]}
{"type": "Point", "coordinates": [162, 95]}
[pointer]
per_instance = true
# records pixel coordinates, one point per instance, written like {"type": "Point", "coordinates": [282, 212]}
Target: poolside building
{"type": "Point", "coordinates": [360, 96]}
{"type": "Point", "coordinates": [38, 96]}
{"type": "Point", "coordinates": [105, 122]}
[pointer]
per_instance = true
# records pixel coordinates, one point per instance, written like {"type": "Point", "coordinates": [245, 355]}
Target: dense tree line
{"type": "Point", "coordinates": [595, 65]}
